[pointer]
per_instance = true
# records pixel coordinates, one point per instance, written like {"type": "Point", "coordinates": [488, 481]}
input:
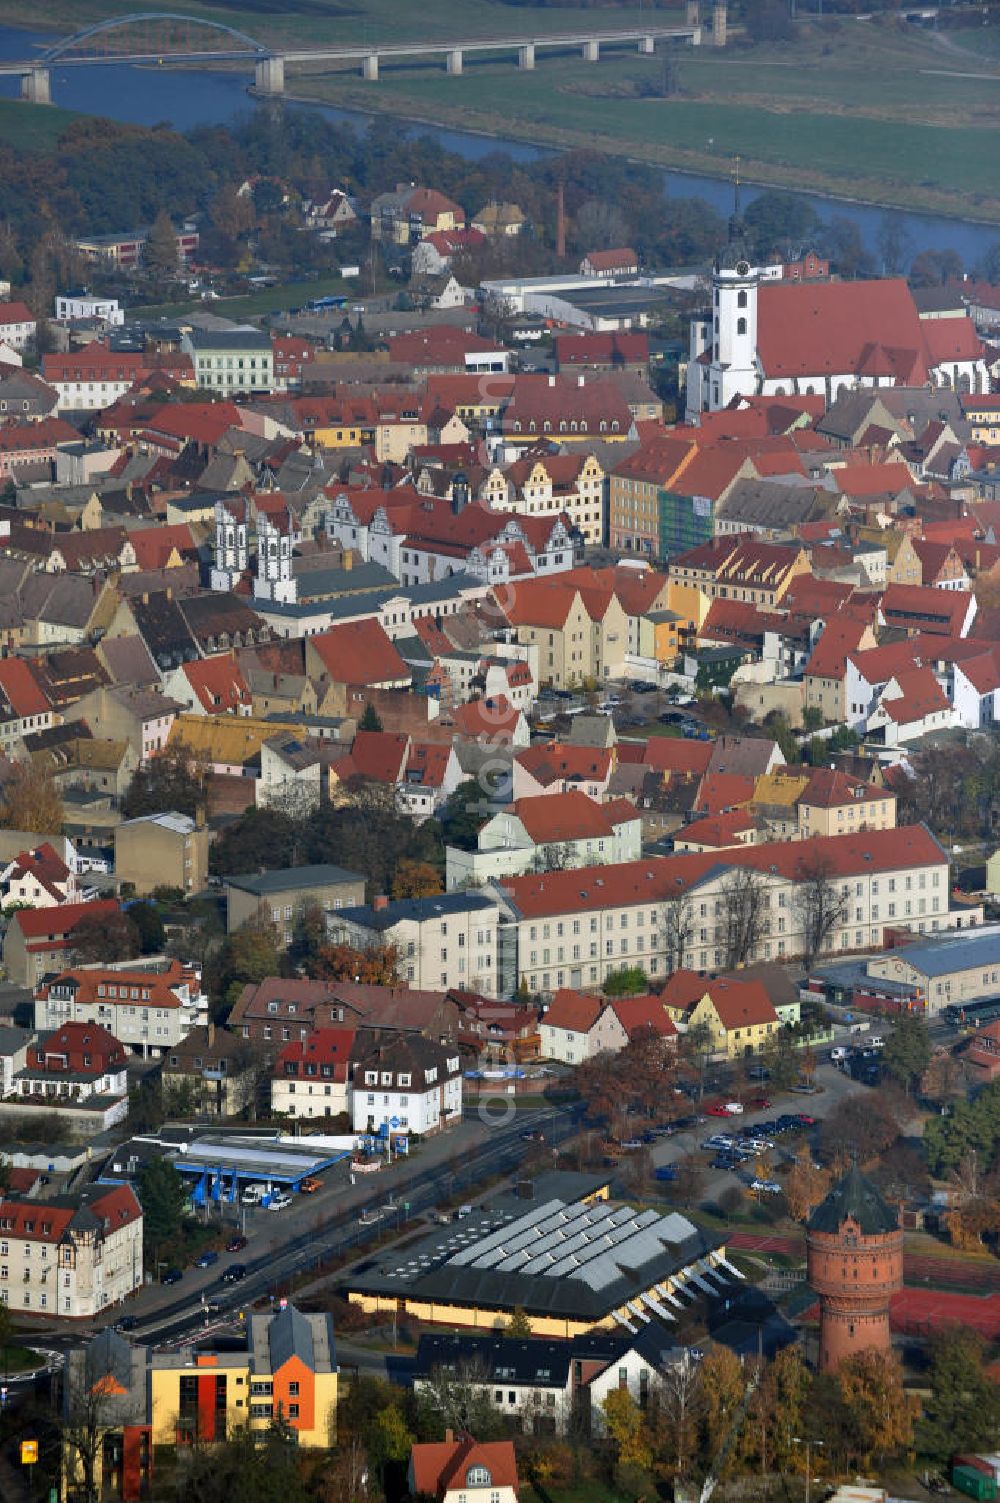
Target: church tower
{"type": "Point", "coordinates": [722, 362]}
{"type": "Point", "coordinates": [231, 544]}
{"type": "Point", "coordinates": [274, 579]}
{"type": "Point", "coordinates": [854, 1250]}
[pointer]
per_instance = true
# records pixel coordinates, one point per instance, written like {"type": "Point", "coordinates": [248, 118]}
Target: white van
{"type": "Point", "coordinates": [253, 1195]}
{"type": "Point", "coordinates": [838, 1053]}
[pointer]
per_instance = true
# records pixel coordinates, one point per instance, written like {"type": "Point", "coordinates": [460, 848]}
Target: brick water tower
{"type": "Point", "coordinates": [854, 1245]}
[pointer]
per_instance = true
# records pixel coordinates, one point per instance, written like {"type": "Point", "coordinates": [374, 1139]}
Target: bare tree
{"type": "Point", "coordinates": [821, 903]}
{"type": "Point", "coordinates": [677, 931]}
{"type": "Point", "coordinates": [745, 916]}
{"type": "Point", "coordinates": [93, 1408]}
{"type": "Point", "coordinates": [600, 225]}
{"type": "Point", "coordinates": [677, 1399]}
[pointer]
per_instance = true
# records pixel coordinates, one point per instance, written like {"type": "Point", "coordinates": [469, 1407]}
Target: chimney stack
{"type": "Point", "coordinates": [381, 903]}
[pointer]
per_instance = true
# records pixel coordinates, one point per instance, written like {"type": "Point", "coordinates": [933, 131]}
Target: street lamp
{"type": "Point", "coordinates": [797, 1441]}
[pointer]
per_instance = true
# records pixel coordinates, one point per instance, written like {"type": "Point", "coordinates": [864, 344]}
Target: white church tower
{"type": "Point", "coordinates": [723, 362]}
{"type": "Point", "coordinates": [232, 552]}
{"type": "Point", "coordinates": [275, 537]}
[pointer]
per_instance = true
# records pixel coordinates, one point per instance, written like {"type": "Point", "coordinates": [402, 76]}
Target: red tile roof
{"type": "Point", "coordinates": [639, 1015]}
{"type": "Point", "coordinates": [15, 313]}
{"type": "Point", "coordinates": [219, 684]}
{"type": "Point", "coordinates": [577, 1012]}
{"type": "Point", "coordinates": [568, 816]}
{"type": "Point", "coordinates": [926, 608]}
{"type": "Point", "coordinates": [439, 1467]}
{"type": "Point", "coordinates": [921, 695]}
{"type": "Point", "coordinates": [872, 479]}
{"type": "Point", "coordinates": [721, 791]}
{"type": "Point", "coordinates": [741, 1004]}
{"type": "Point", "coordinates": [840, 639]}
{"type": "Point", "coordinates": [154, 545]}
{"type": "Point", "coordinates": [359, 652]}
{"type": "Point", "coordinates": [623, 256]}
{"type": "Point", "coordinates": [553, 761]}
{"type": "Point", "coordinates": [20, 688]}
{"type": "Point", "coordinates": [815, 328]}
{"type": "Point", "coordinates": [593, 888]}
{"type": "Point", "coordinates": [492, 719]}
{"type": "Point", "coordinates": [379, 755]}
{"type": "Point", "coordinates": [324, 1046]}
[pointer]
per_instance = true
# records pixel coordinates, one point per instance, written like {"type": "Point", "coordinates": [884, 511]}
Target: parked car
{"type": "Point", "coordinates": [172, 1276]}
{"type": "Point", "coordinates": [666, 1173]}
{"type": "Point", "coordinates": [718, 1110]}
{"type": "Point", "coordinates": [805, 1120]}
{"type": "Point", "coordinates": [309, 1185]}
{"type": "Point", "coordinates": [761, 1103]}
{"type": "Point", "coordinates": [279, 1201]}
{"type": "Point", "coordinates": [236, 1244]}
{"type": "Point", "coordinates": [719, 1140]}
{"type": "Point", "coordinates": [207, 1258]}
{"type": "Point", "coordinates": [234, 1273]}
{"type": "Point", "coordinates": [127, 1323]}
{"type": "Point", "coordinates": [766, 1186]}
{"type": "Point", "coordinates": [733, 1108]}
{"type": "Point", "coordinates": [643, 686]}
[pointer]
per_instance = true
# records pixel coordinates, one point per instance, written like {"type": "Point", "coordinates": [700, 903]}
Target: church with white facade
{"type": "Point", "coordinates": [255, 538]}
{"type": "Point", "coordinates": [768, 336]}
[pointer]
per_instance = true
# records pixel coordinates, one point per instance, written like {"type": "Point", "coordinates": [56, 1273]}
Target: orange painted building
{"type": "Point", "coordinates": [288, 1371]}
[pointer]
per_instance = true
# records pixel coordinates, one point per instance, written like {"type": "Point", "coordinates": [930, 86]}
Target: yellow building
{"type": "Point", "coordinates": [163, 850]}
{"type": "Point", "coordinates": [739, 1015]}
{"type": "Point", "coordinates": [289, 1370]}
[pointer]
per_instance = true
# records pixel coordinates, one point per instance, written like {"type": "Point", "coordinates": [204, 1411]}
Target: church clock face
{"type": "Point", "coordinates": [743, 268]}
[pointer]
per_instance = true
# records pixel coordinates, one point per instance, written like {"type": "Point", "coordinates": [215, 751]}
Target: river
{"type": "Point", "coordinates": [151, 96]}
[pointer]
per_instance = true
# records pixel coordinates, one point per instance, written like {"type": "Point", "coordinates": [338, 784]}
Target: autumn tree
{"type": "Point", "coordinates": [744, 901]}
{"type": "Point", "coordinates": [104, 937]}
{"type": "Point", "coordinates": [416, 879]}
{"type": "Point", "coordinates": [780, 1409]}
{"type": "Point", "coordinates": [378, 966]}
{"type": "Point", "coordinates": [782, 1059]}
{"type": "Point", "coordinates": [944, 1079]}
{"type": "Point", "coordinates": [249, 954]}
{"type": "Point", "coordinates": [31, 801]}
{"type": "Point", "coordinates": [723, 1389]}
{"type": "Point", "coordinates": [623, 1419]}
{"type": "Point", "coordinates": [860, 1126]}
{"type": "Point", "coordinates": [879, 1412]}
{"type": "Point", "coordinates": [806, 1185]}
{"type": "Point", "coordinates": [519, 1325]}
{"type": "Point", "coordinates": [821, 903]}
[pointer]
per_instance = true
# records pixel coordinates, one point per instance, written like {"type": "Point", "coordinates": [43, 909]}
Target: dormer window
{"type": "Point", "coordinates": [478, 1476]}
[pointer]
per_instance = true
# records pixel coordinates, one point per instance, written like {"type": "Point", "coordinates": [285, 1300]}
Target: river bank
{"type": "Point", "coordinates": [691, 165]}
{"type": "Point", "coordinates": [187, 98]}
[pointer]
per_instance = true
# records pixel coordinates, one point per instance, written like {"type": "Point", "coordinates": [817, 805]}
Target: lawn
{"type": "Point", "coordinates": [20, 1359]}
{"type": "Point", "coordinates": [32, 127]}
{"type": "Point", "coordinates": [253, 304]}
{"type": "Point", "coordinates": [908, 161]}
{"type": "Point", "coordinates": [318, 21]}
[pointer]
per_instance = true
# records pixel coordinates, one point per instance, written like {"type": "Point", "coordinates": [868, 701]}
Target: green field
{"type": "Point", "coordinates": [267, 300]}
{"type": "Point", "coordinates": [32, 127]}
{"type": "Point", "coordinates": [880, 111]}
{"type": "Point", "coordinates": [861, 112]}
{"type": "Point", "coordinates": [305, 21]}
